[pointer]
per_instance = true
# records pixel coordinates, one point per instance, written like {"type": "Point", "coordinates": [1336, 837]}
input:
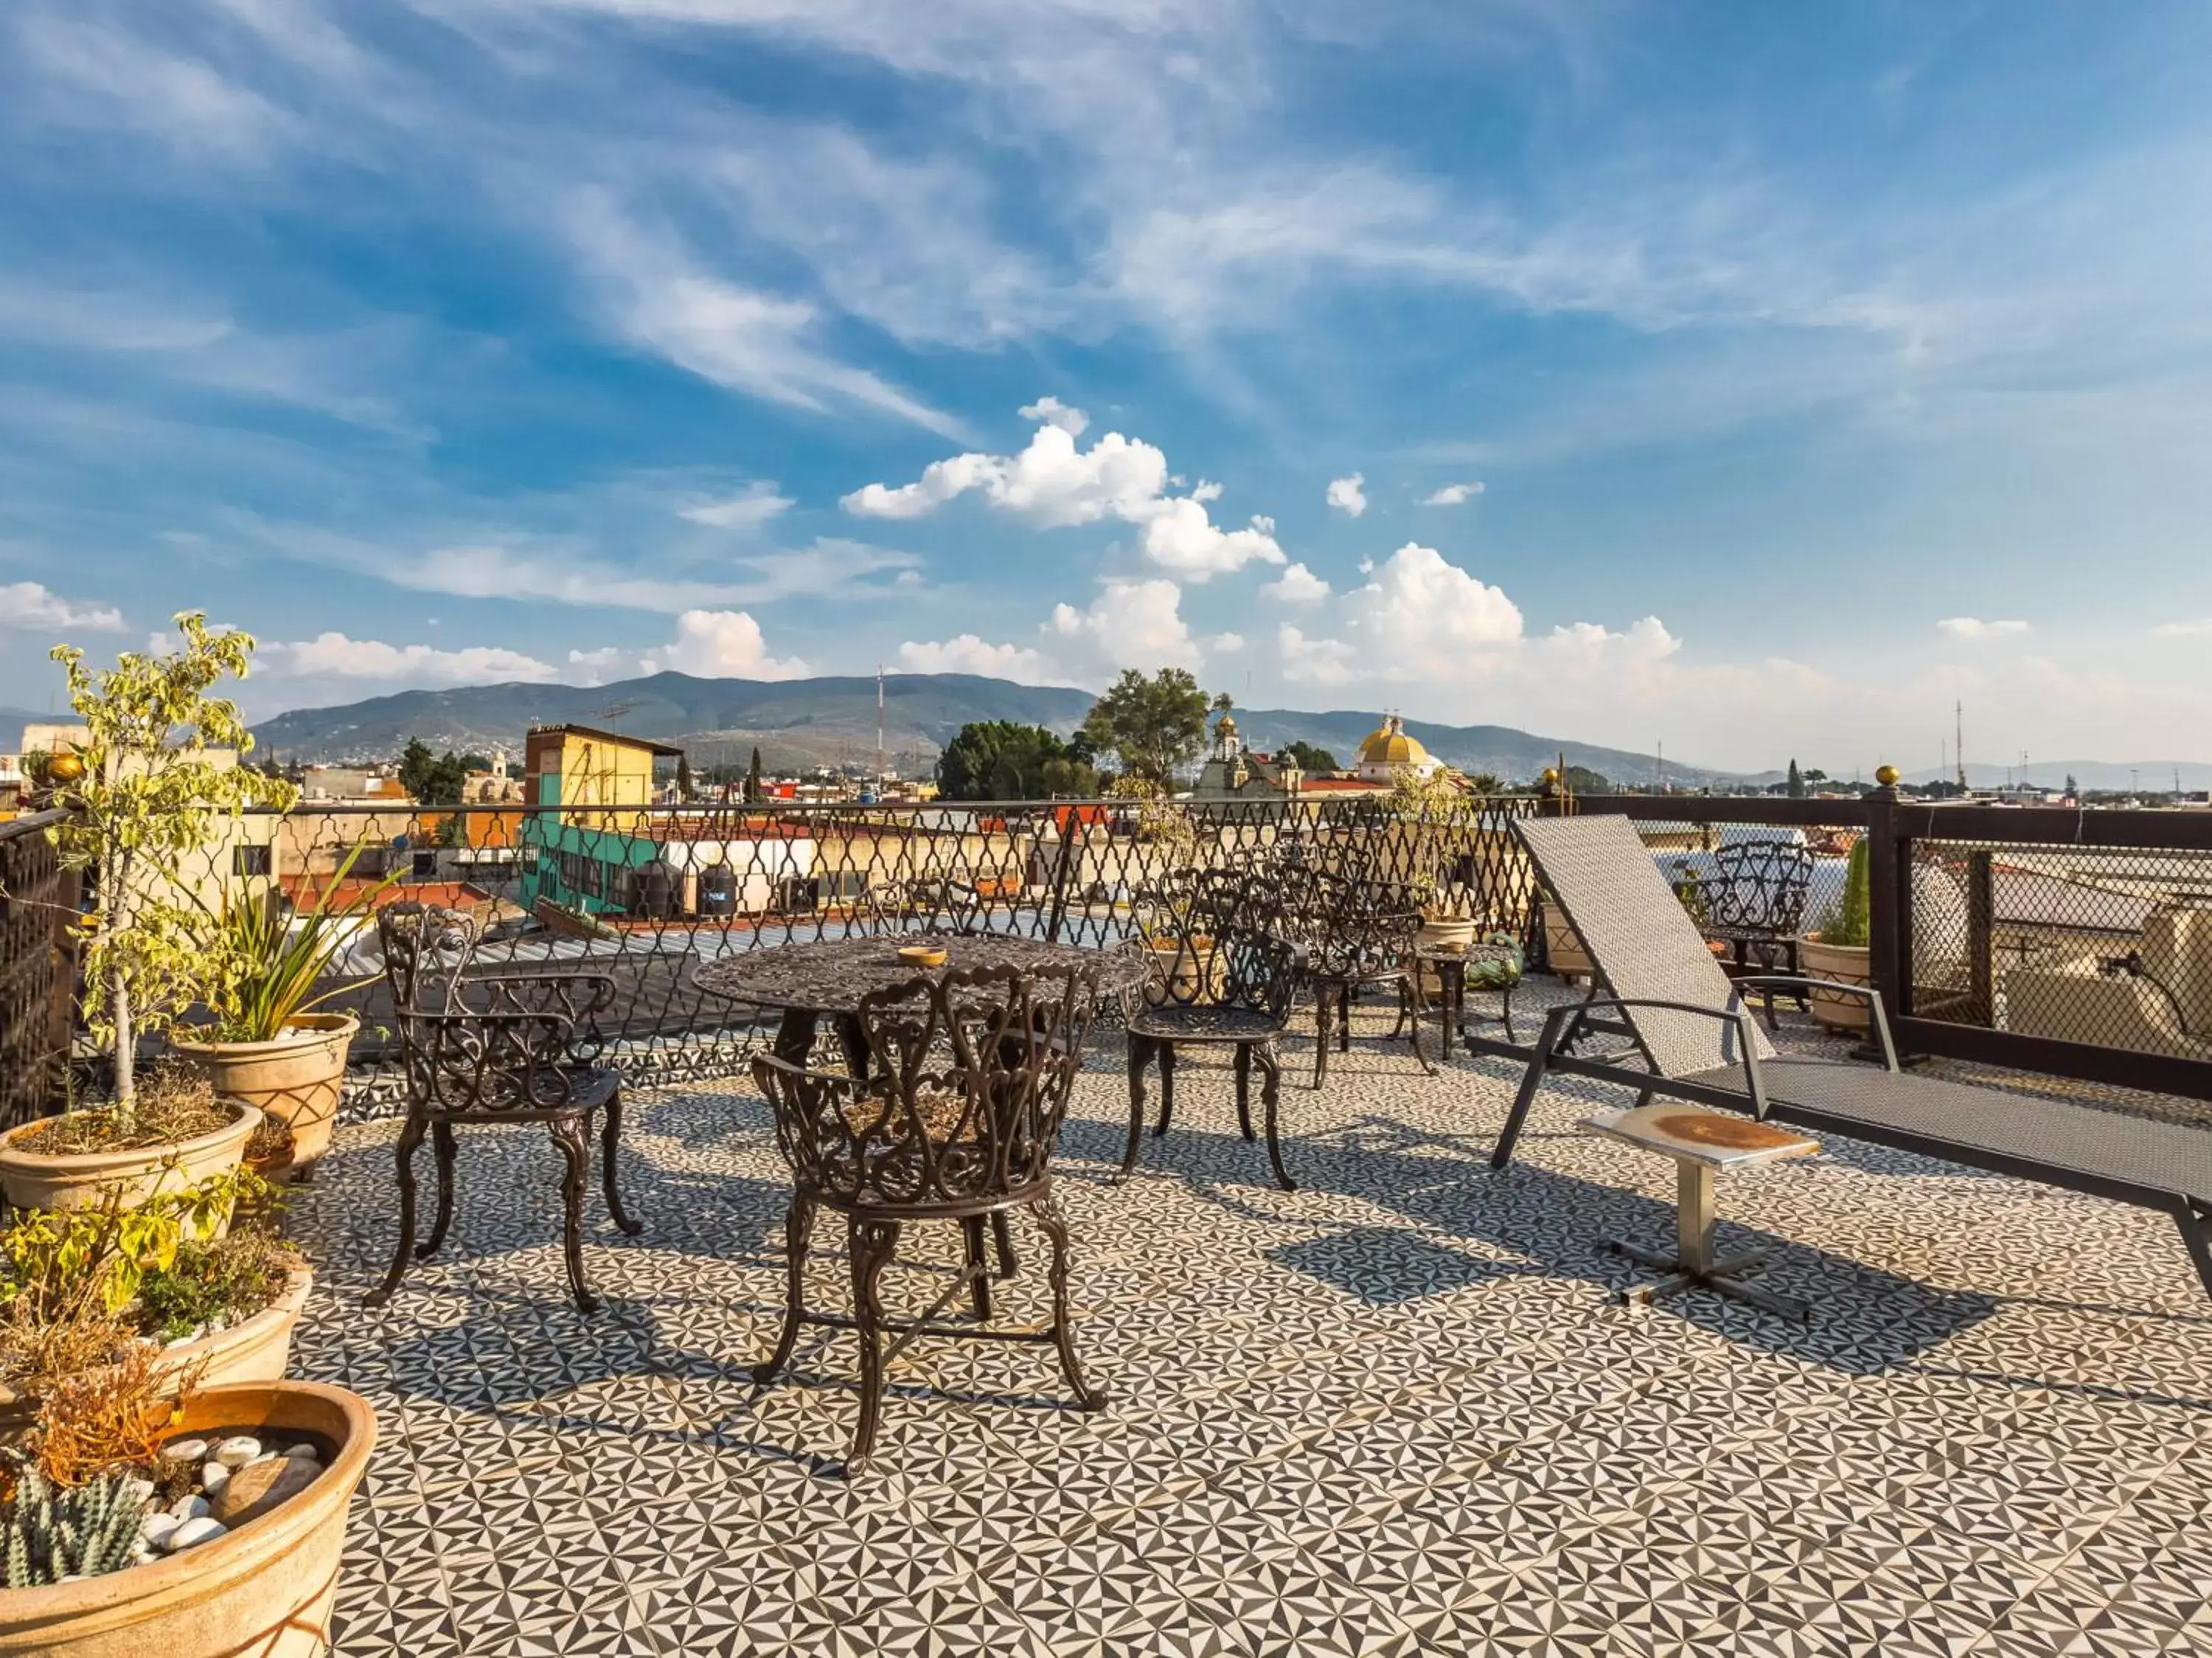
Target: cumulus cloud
{"type": "Point", "coordinates": [1128, 625]}
{"type": "Point", "coordinates": [28, 605]}
{"type": "Point", "coordinates": [1053, 483]}
{"type": "Point", "coordinates": [333, 656]}
{"type": "Point", "coordinates": [1314, 661]}
{"type": "Point", "coordinates": [1451, 495]}
{"type": "Point", "coordinates": [1420, 617]}
{"type": "Point", "coordinates": [2182, 630]}
{"type": "Point", "coordinates": [722, 644]}
{"type": "Point", "coordinates": [1590, 645]}
{"type": "Point", "coordinates": [1973, 627]}
{"type": "Point", "coordinates": [597, 667]}
{"type": "Point", "coordinates": [1226, 642]}
{"type": "Point", "coordinates": [969, 654]}
{"type": "Point", "coordinates": [1051, 412]}
{"type": "Point", "coordinates": [1297, 586]}
{"type": "Point", "coordinates": [1346, 495]}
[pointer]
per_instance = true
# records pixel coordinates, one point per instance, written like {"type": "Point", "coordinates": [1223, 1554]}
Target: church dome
{"type": "Point", "coordinates": [1390, 747]}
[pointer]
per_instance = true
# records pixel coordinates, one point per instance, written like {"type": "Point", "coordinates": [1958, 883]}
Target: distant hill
{"type": "Point", "coordinates": [827, 721]}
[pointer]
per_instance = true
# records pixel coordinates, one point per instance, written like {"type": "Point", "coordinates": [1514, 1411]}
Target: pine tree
{"type": "Point", "coordinates": [683, 778]}
{"type": "Point", "coordinates": [755, 791]}
{"type": "Point", "coordinates": [1796, 790]}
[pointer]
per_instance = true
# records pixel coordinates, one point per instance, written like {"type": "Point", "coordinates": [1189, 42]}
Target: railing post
{"type": "Point", "coordinates": [1060, 875]}
{"type": "Point", "coordinates": [1981, 935]}
{"type": "Point", "coordinates": [1889, 893]}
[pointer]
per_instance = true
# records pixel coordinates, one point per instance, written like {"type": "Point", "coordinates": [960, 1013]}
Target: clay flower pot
{"type": "Point", "coordinates": [257, 1349]}
{"type": "Point", "coordinates": [266, 1588]}
{"type": "Point", "coordinates": [296, 1079]}
{"type": "Point", "coordinates": [38, 1179]}
{"type": "Point", "coordinates": [1845, 964]}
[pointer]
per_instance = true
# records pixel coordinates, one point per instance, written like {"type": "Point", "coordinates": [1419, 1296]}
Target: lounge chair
{"type": "Point", "coordinates": [1696, 1041]}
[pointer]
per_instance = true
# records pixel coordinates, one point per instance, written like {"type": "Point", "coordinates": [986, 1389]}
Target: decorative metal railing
{"type": "Point", "coordinates": [38, 900]}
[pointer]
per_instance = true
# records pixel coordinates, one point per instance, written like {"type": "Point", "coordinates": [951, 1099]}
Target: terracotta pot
{"type": "Point", "coordinates": [258, 1349]}
{"type": "Point", "coordinates": [1846, 964]}
{"type": "Point", "coordinates": [1192, 970]}
{"type": "Point", "coordinates": [264, 1589]}
{"type": "Point", "coordinates": [295, 1080]}
{"type": "Point", "coordinates": [34, 1179]}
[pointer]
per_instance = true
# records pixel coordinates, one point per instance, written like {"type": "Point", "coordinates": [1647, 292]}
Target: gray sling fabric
{"type": "Point", "coordinates": [1969, 1121]}
{"type": "Point", "coordinates": [1641, 938]}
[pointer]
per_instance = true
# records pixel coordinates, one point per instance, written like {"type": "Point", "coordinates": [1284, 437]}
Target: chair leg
{"type": "Point", "coordinates": [2192, 1234]}
{"type": "Point", "coordinates": [443, 1145]}
{"type": "Point", "coordinates": [1414, 1041]}
{"type": "Point", "coordinates": [1323, 998]}
{"type": "Point", "coordinates": [1271, 1095]}
{"type": "Point", "coordinates": [1505, 1014]}
{"type": "Point", "coordinates": [575, 1146]}
{"type": "Point", "coordinates": [1002, 1234]}
{"type": "Point", "coordinates": [1344, 1023]}
{"type": "Point", "coordinates": [972, 1258]}
{"type": "Point", "coordinates": [1054, 1225]}
{"type": "Point", "coordinates": [410, 1136]}
{"type": "Point", "coordinates": [1531, 1080]}
{"type": "Point", "coordinates": [609, 1139]}
{"type": "Point", "coordinates": [1140, 1054]}
{"type": "Point", "coordinates": [798, 1224]}
{"type": "Point", "coordinates": [873, 1244]}
{"type": "Point", "coordinates": [1244, 1089]}
{"type": "Point", "coordinates": [1167, 1088]}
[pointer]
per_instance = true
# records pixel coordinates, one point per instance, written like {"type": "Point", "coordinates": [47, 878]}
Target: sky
{"type": "Point", "coordinates": [1754, 380]}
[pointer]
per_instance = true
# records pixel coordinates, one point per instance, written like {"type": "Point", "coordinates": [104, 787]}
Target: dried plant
{"type": "Point", "coordinates": [109, 1417]}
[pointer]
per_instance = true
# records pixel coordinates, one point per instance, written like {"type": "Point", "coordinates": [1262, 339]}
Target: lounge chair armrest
{"type": "Point", "coordinates": [1879, 1014]}
{"type": "Point", "coordinates": [1746, 1032]}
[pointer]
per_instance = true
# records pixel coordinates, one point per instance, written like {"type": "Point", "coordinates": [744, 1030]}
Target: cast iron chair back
{"type": "Point", "coordinates": [1757, 889]}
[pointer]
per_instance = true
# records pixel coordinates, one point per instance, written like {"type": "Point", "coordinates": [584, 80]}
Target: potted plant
{"type": "Point", "coordinates": [1839, 948]}
{"type": "Point", "coordinates": [156, 787]}
{"type": "Point", "coordinates": [212, 1527]}
{"type": "Point", "coordinates": [84, 1290]}
{"type": "Point", "coordinates": [268, 1044]}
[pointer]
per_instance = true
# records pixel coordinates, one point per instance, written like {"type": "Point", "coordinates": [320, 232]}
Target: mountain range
{"type": "Point", "coordinates": [798, 723]}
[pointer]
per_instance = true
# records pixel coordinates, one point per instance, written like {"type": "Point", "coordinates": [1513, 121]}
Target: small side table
{"type": "Point", "coordinates": [1449, 964]}
{"type": "Point", "coordinates": [1701, 1142]}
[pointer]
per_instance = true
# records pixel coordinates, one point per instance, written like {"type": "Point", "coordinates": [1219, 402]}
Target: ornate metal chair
{"type": "Point", "coordinates": [529, 1053]}
{"type": "Point", "coordinates": [1753, 899]}
{"type": "Point", "coordinates": [1229, 986]}
{"type": "Point", "coordinates": [969, 1082]}
{"type": "Point", "coordinates": [1357, 935]}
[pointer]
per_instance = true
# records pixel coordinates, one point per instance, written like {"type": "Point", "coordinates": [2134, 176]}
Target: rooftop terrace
{"type": "Point", "coordinates": [1392, 1412]}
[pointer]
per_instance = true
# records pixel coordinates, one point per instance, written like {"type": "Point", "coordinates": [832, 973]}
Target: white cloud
{"type": "Point", "coordinates": [1314, 661]}
{"type": "Point", "coordinates": [1128, 625]}
{"type": "Point", "coordinates": [1051, 412]}
{"type": "Point", "coordinates": [969, 654]}
{"type": "Point", "coordinates": [1973, 627]}
{"type": "Point", "coordinates": [29, 606]}
{"type": "Point", "coordinates": [597, 667]}
{"type": "Point", "coordinates": [1297, 586]}
{"type": "Point", "coordinates": [749, 508]}
{"type": "Point", "coordinates": [1226, 642]}
{"type": "Point", "coordinates": [1451, 495]}
{"type": "Point", "coordinates": [333, 655]}
{"type": "Point", "coordinates": [1419, 616]}
{"type": "Point", "coordinates": [2182, 630]}
{"type": "Point", "coordinates": [1053, 483]}
{"type": "Point", "coordinates": [1346, 496]}
{"type": "Point", "coordinates": [720, 645]}
{"type": "Point", "coordinates": [1588, 645]}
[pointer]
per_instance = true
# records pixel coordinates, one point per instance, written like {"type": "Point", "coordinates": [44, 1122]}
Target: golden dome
{"type": "Point", "coordinates": [1390, 745]}
{"type": "Point", "coordinates": [1228, 722]}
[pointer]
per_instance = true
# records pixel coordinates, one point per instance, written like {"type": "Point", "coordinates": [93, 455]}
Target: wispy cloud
{"type": "Point", "coordinates": [1973, 627]}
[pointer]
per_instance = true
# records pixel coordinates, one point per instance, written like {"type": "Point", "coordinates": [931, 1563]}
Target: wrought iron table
{"type": "Point", "coordinates": [809, 982]}
{"type": "Point", "coordinates": [1450, 963]}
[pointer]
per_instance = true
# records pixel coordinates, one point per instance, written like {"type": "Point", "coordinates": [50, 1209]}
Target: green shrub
{"type": "Point", "coordinates": [1849, 920]}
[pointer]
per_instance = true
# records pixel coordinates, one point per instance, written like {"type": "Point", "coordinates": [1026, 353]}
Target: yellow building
{"type": "Point", "coordinates": [587, 856]}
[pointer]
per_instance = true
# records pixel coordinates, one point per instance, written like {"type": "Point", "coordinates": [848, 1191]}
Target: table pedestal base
{"type": "Point", "coordinates": [1691, 1266]}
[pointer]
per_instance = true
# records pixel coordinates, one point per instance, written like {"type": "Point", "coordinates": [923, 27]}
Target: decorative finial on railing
{"type": "Point", "coordinates": [1885, 775]}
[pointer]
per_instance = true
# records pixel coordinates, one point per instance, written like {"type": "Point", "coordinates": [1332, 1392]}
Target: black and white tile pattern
{"type": "Point", "coordinates": [1392, 1412]}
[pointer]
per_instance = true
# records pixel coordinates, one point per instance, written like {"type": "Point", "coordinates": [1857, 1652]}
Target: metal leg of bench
{"type": "Point", "coordinates": [2192, 1222]}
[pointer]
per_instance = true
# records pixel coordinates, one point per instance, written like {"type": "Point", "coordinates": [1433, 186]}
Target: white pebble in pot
{"type": "Point", "coordinates": [156, 1529]}
{"type": "Point", "coordinates": [193, 1533]}
{"type": "Point", "coordinates": [185, 1450]}
{"type": "Point", "coordinates": [213, 1478]}
{"type": "Point", "coordinates": [237, 1452]}
{"type": "Point", "coordinates": [191, 1506]}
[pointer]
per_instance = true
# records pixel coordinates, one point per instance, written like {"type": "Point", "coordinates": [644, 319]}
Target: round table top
{"type": "Point", "coordinates": [832, 975]}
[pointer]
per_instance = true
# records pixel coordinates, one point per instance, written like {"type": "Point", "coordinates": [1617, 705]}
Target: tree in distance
{"type": "Point", "coordinates": [1153, 725]}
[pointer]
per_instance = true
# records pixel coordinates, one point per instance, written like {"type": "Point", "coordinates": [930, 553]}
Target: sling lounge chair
{"type": "Point", "coordinates": [1695, 1041]}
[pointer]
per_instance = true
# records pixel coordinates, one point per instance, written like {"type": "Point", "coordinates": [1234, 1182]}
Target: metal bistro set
{"type": "Point", "coordinates": [961, 1049]}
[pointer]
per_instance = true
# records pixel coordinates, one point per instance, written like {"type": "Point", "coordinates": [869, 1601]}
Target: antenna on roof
{"type": "Point", "coordinates": [611, 713]}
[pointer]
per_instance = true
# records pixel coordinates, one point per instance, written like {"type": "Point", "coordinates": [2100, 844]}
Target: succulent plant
{"type": "Point", "coordinates": [52, 1535]}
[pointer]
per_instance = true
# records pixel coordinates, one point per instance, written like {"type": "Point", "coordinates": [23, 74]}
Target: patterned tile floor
{"type": "Point", "coordinates": [1392, 1412]}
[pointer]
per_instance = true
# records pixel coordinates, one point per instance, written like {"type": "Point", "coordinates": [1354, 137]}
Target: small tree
{"type": "Point", "coordinates": [683, 778]}
{"type": "Point", "coordinates": [151, 794]}
{"type": "Point", "coordinates": [1849, 920]}
{"type": "Point", "coordinates": [1307, 757]}
{"type": "Point", "coordinates": [1155, 725]}
{"type": "Point", "coordinates": [1795, 787]}
{"type": "Point", "coordinates": [755, 790]}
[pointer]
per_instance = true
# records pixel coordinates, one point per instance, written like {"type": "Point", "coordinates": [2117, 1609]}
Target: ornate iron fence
{"type": "Point", "coordinates": [38, 898]}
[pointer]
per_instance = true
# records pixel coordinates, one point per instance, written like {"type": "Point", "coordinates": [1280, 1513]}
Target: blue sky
{"type": "Point", "coordinates": [1752, 379]}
